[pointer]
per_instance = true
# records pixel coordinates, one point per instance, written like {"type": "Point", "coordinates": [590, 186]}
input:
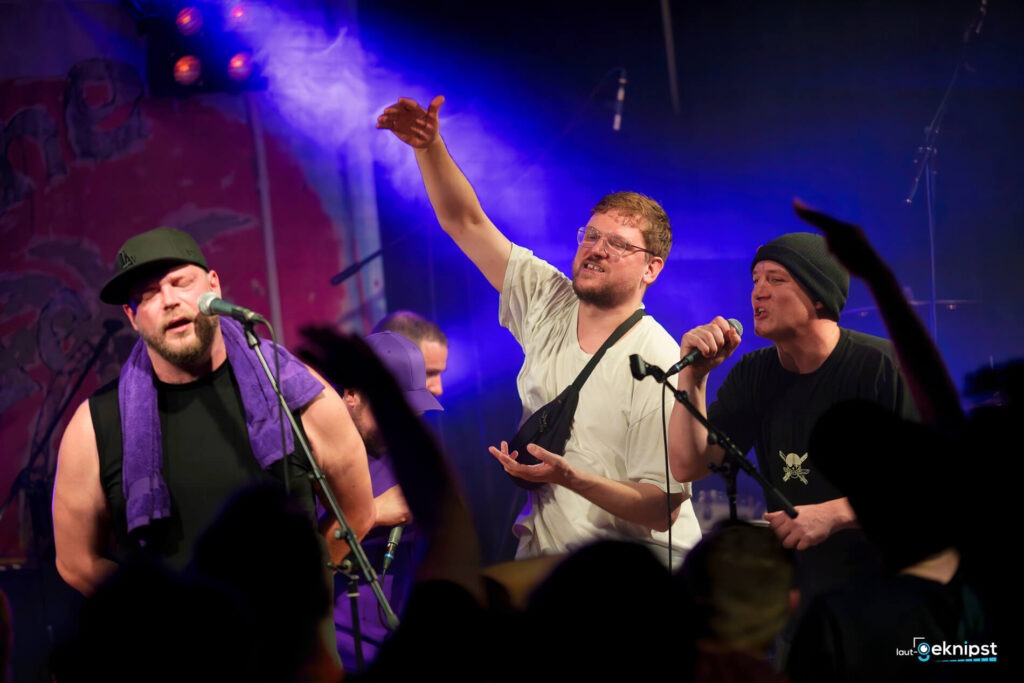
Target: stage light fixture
{"type": "Point", "coordinates": [193, 47]}
{"type": "Point", "coordinates": [187, 70]}
{"type": "Point", "coordinates": [189, 21]}
{"type": "Point", "coordinates": [240, 66]}
{"type": "Point", "coordinates": [237, 16]}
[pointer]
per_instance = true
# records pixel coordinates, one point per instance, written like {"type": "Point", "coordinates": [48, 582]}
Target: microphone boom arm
{"type": "Point", "coordinates": [734, 457]}
{"type": "Point", "coordinates": [345, 530]}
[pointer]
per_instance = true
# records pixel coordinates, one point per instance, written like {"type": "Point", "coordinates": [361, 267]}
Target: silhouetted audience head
{"type": "Point", "coordinates": [608, 611]}
{"type": "Point", "coordinates": [894, 472]}
{"type": "Point", "coordinates": [264, 549]}
{"type": "Point", "coordinates": [741, 583]}
{"type": "Point", "coordinates": [996, 386]}
{"type": "Point", "coordinates": [987, 500]}
{"type": "Point", "coordinates": [148, 623]}
{"type": "Point", "coordinates": [6, 637]}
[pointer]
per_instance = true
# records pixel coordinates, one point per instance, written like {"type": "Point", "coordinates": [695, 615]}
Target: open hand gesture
{"type": "Point", "coordinates": [552, 468]}
{"type": "Point", "coordinates": [410, 123]}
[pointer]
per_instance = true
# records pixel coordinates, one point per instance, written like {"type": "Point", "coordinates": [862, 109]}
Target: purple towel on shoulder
{"type": "Point", "coordinates": [146, 495]}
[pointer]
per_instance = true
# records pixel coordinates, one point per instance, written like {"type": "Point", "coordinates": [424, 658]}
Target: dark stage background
{"type": "Point", "coordinates": [731, 110]}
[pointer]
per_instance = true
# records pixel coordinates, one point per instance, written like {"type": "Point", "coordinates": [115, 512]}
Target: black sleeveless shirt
{"type": "Point", "coordinates": [206, 458]}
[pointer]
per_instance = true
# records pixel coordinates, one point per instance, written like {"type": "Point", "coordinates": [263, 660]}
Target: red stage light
{"type": "Point", "coordinates": [237, 16]}
{"type": "Point", "coordinates": [189, 21]}
{"type": "Point", "coordinates": [187, 70]}
{"type": "Point", "coordinates": [240, 66]}
{"type": "Point", "coordinates": [202, 46]}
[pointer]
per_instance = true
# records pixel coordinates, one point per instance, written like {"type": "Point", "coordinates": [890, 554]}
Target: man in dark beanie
{"type": "Point", "coordinates": [806, 257]}
{"type": "Point", "coordinates": [772, 397]}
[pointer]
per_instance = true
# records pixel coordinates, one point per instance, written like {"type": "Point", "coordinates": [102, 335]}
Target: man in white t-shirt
{"type": "Point", "coordinates": [611, 482]}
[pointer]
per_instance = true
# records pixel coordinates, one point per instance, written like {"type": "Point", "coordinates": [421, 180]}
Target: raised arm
{"type": "Point", "coordinates": [80, 515]}
{"type": "Point", "coordinates": [688, 450]}
{"type": "Point", "coordinates": [921, 364]}
{"type": "Point", "coordinates": [455, 203]}
{"type": "Point", "coordinates": [341, 455]}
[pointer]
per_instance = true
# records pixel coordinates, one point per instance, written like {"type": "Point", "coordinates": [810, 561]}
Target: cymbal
{"type": "Point", "coordinates": [948, 304]}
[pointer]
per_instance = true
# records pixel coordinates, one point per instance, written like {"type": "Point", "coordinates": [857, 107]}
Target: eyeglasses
{"type": "Point", "coordinates": [589, 237]}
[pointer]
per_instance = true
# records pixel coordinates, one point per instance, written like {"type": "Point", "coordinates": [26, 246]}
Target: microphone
{"type": "Point", "coordinates": [211, 304]}
{"type": "Point", "coordinates": [620, 96]}
{"type": "Point", "coordinates": [694, 354]}
{"type": "Point", "coordinates": [389, 550]}
{"type": "Point", "coordinates": [640, 369]}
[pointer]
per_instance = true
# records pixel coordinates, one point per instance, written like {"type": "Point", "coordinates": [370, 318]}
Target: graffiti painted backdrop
{"type": "Point", "coordinates": [88, 160]}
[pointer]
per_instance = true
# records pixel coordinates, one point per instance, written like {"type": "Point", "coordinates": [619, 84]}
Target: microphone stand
{"type": "Point", "coordinates": [925, 162]}
{"type": "Point", "coordinates": [734, 458]}
{"type": "Point", "coordinates": [357, 629]}
{"type": "Point", "coordinates": [345, 531]}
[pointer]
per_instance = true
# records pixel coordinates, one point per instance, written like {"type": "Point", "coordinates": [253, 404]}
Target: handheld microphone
{"type": "Point", "coordinates": [211, 304]}
{"type": "Point", "coordinates": [694, 354]}
{"type": "Point", "coordinates": [640, 369]}
{"type": "Point", "coordinates": [620, 97]}
{"type": "Point", "coordinates": [389, 550]}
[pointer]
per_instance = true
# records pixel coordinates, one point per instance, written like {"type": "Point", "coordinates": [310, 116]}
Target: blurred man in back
{"type": "Point", "coordinates": [427, 335]}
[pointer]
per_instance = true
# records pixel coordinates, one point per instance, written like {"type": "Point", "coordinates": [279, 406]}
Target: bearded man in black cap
{"type": "Point", "coordinates": [772, 398]}
{"type": "Point", "coordinates": [148, 460]}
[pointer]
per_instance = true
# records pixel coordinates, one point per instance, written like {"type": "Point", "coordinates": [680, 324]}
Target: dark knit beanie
{"type": "Point", "coordinates": [806, 256]}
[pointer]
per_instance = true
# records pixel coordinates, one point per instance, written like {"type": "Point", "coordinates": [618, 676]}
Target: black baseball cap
{"type": "Point", "coordinates": [146, 254]}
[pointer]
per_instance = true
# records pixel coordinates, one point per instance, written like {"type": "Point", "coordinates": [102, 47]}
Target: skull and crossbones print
{"type": "Point", "coordinates": [793, 467]}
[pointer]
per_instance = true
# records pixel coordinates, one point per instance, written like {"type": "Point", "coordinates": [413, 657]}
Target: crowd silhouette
{"type": "Point", "coordinates": [255, 602]}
